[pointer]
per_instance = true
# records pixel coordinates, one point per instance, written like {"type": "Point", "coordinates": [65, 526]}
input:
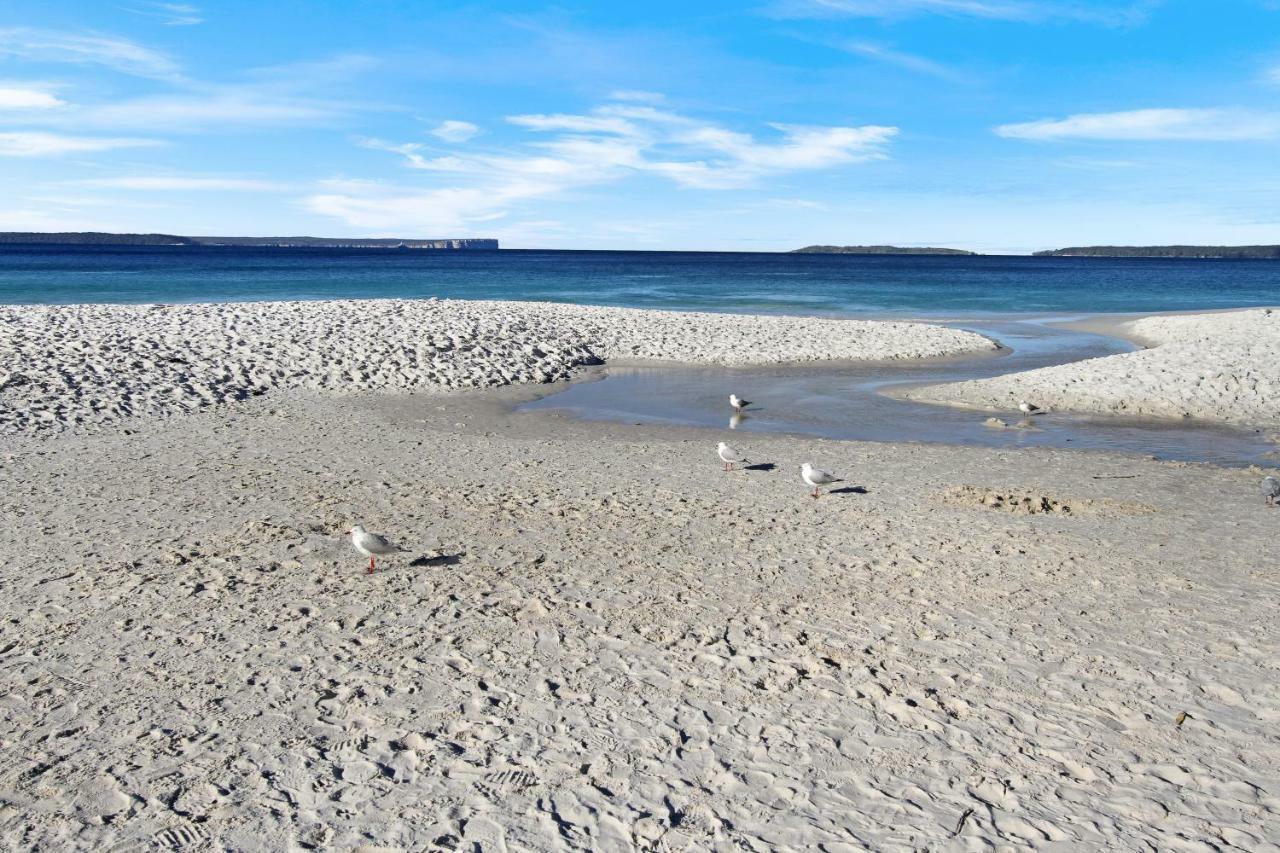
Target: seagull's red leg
{"type": "Point", "coordinates": [371, 561]}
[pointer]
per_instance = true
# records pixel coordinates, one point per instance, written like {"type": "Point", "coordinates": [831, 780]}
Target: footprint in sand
{"type": "Point", "coordinates": [182, 837]}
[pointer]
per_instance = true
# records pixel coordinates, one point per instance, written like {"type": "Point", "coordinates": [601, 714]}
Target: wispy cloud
{"type": "Point", "coordinates": [15, 98]}
{"type": "Point", "coordinates": [603, 146]}
{"type": "Point", "coordinates": [181, 183]}
{"type": "Point", "coordinates": [909, 61]}
{"type": "Point", "coordinates": [170, 14]}
{"type": "Point", "coordinates": [36, 144]}
{"type": "Point", "coordinates": [212, 106]}
{"type": "Point", "coordinates": [44, 45]}
{"type": "Point", "coordinates": [454, 131]}
{"type": "Point", "coordinates": [637, 95]}
{"type": "Point", "coordinates": [1111, 14]}
{"type": "Point", "coordinates": [1214, 125]}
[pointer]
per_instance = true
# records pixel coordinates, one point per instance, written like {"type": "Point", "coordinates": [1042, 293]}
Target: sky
{"type": "Point", "coordinates": [993, 125]}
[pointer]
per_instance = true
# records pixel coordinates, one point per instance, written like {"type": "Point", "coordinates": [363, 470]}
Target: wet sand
{"type": "Point", "coordinates": [871, 402]}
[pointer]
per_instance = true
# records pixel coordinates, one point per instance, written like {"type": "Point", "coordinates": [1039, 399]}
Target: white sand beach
{"type": "Point", "coordinates": [598, 639]}
{"type": "Point", "coordinates": [86, 365]}
{"type": "Point", "coordinates": [1222, 366]}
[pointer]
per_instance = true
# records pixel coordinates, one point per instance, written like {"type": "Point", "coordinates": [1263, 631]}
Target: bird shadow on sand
{"type": "Point", "coordinates": [762, 466]}
{"type": "Point", "coordinates": [439, 559]}
{"type": "Point", "coordinates": [849, 490]}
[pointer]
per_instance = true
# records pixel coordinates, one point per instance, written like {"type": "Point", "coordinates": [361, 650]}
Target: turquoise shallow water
{"type": "Point", "coordinates": [777, 283]}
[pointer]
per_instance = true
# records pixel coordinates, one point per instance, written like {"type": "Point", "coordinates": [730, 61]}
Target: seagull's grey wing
{"type": "Point", "coordinates": [825, 477]}
{"type": "Point", "coordinates": [381, 545]}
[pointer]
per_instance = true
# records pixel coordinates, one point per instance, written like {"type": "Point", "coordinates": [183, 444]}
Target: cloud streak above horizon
{"type": "Point", "coordinates": [1028, 11]}
{"type": "Point", "coordinates": [39, 144]}
{"type": "Point", "coordinates": [1206, 125]}
{"type": "Point", "coordinates": [606, 145]}
{"type": "Point", "coordinates": [33, 44]}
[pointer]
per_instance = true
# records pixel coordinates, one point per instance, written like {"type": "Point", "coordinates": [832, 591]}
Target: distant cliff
{"type": "Point", "coordinates": [876, 250]}
{"type": "Point", "coordinates": [1271, 252]}
{"type": "Point", "coordinates": [98, 238]}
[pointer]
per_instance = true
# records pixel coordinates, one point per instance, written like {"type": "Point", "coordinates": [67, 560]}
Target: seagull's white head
{"type": "Point", "coordinates": [356, 530]}
{"type": "Point", "coordinates": [721, 446]}
{"type": "Point", "coordinates": [806, 467]}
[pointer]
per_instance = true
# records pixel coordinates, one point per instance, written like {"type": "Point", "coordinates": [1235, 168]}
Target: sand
{"type": "Point", "coordinates": [92, 366]}
{"type": "Point", "coordinates": [1221, 366]}
{"type": "Point", "coordinates": [600, 640]}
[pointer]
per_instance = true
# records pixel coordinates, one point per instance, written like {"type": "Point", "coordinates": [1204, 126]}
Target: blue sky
{"type": "Point", "coordinates": [994, 125]}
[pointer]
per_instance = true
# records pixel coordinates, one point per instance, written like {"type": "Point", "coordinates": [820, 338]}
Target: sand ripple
{"type": "Point", "coordinates": [72, 365]}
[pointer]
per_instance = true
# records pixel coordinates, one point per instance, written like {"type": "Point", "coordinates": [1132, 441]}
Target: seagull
{"type": "Point", "coordinates": [817, 478]}
{"type": "Point", "coordinates": [1026, 408]}
{"type": "Point", "coordinates": [372, 545]}
{"type": "Point", "coordinates": [1271, 490]}
{"type": "Point", "coordinates": [738, 403]}
{"type": "Point", "coordinates": [729, 455]}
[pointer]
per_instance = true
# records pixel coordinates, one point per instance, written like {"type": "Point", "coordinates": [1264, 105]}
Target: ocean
{"type": "Point", "coordinates": [1008, 298]}
{"type": "Point", "coordinates": [865, 285]}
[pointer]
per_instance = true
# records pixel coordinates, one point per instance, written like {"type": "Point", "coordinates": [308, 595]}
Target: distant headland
{"type": "Point", "coordinates": [98, 238]}
{"type": "Point", "coordinates": [877, 250]}
{"type": "Point", "coordinates": [1269, 252]}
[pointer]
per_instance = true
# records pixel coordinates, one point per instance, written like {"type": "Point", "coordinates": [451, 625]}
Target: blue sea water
{"type": "Point", "coordinates": [915, 285]}
{"type": "Point", "coordinates": [1008, 298]}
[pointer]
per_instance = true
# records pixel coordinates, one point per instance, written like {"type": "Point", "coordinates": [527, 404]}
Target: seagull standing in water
{"type": "Point", "coordinates": [817, 478]}
{"type": "Point", "coordinates": [738, 403]}
{"type": "Point", "coordinates": [729, 455]}
{"type": "Point", "coordinates": [1026, 408]}
{"type": "Point", "coordinates": [372, 545]}
{"type": "Point", "coordinates": [1271, 490]}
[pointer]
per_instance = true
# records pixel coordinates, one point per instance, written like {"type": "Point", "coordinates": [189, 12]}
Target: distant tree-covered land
{"type": "Point", "coordinates": [98, 238]}
{"type": "Point", "coordinates": [877, 250]}
{"type": "Point", "coordinates": [1272, 252]}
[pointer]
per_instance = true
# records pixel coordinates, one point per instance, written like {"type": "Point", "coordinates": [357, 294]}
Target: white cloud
{"type": "Point", "coordinates": [1004, 10]}
{"type": "Point", "coordinates": [574, 123]}
{"type": "Point", "coordinates": [374, 207]}
{"type": "Point", "coordinates": [12, 98]}
{"type": "Point", "coordinates": [455, 131]}
{"type": "Point", "coordinates": [582, 150]}
{"type": "Point", "coordinates": [738, 159]}
{"type": "Point", "coordinates": [210, 106]}
{"type": "Point", "coordinates": [637, 95]}
{"type": "Point", "coordinates": [37, 144]}
{"type": "Point", "coordinates": [179, 183]}
{"type": "Point", "coordinates": [1218, 125]}
{"type": "Point", "coordinates": [170, 14]}
{"type": "Point", "coordinates": [42, 45]}
{"type": "Point", "coordinates": [909, 61]}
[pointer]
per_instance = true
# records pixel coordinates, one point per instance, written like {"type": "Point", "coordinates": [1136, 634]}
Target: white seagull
{"type": "Point", "coordinates": [372, 545]}
{"type": "Point", "coordinates": [1026, 408]}
{"type": "Point", "coordinates": [729, 455]}
{"type": "Point", "coordinates": [1271, 490]}
{"type": "Point", "coordinates": [817, 478]}
{"type": "Point", "coordinates": [738, 403]}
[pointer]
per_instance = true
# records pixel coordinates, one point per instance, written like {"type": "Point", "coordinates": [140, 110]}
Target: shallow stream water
{"type": "Point", "coordinates": [847, 401]}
